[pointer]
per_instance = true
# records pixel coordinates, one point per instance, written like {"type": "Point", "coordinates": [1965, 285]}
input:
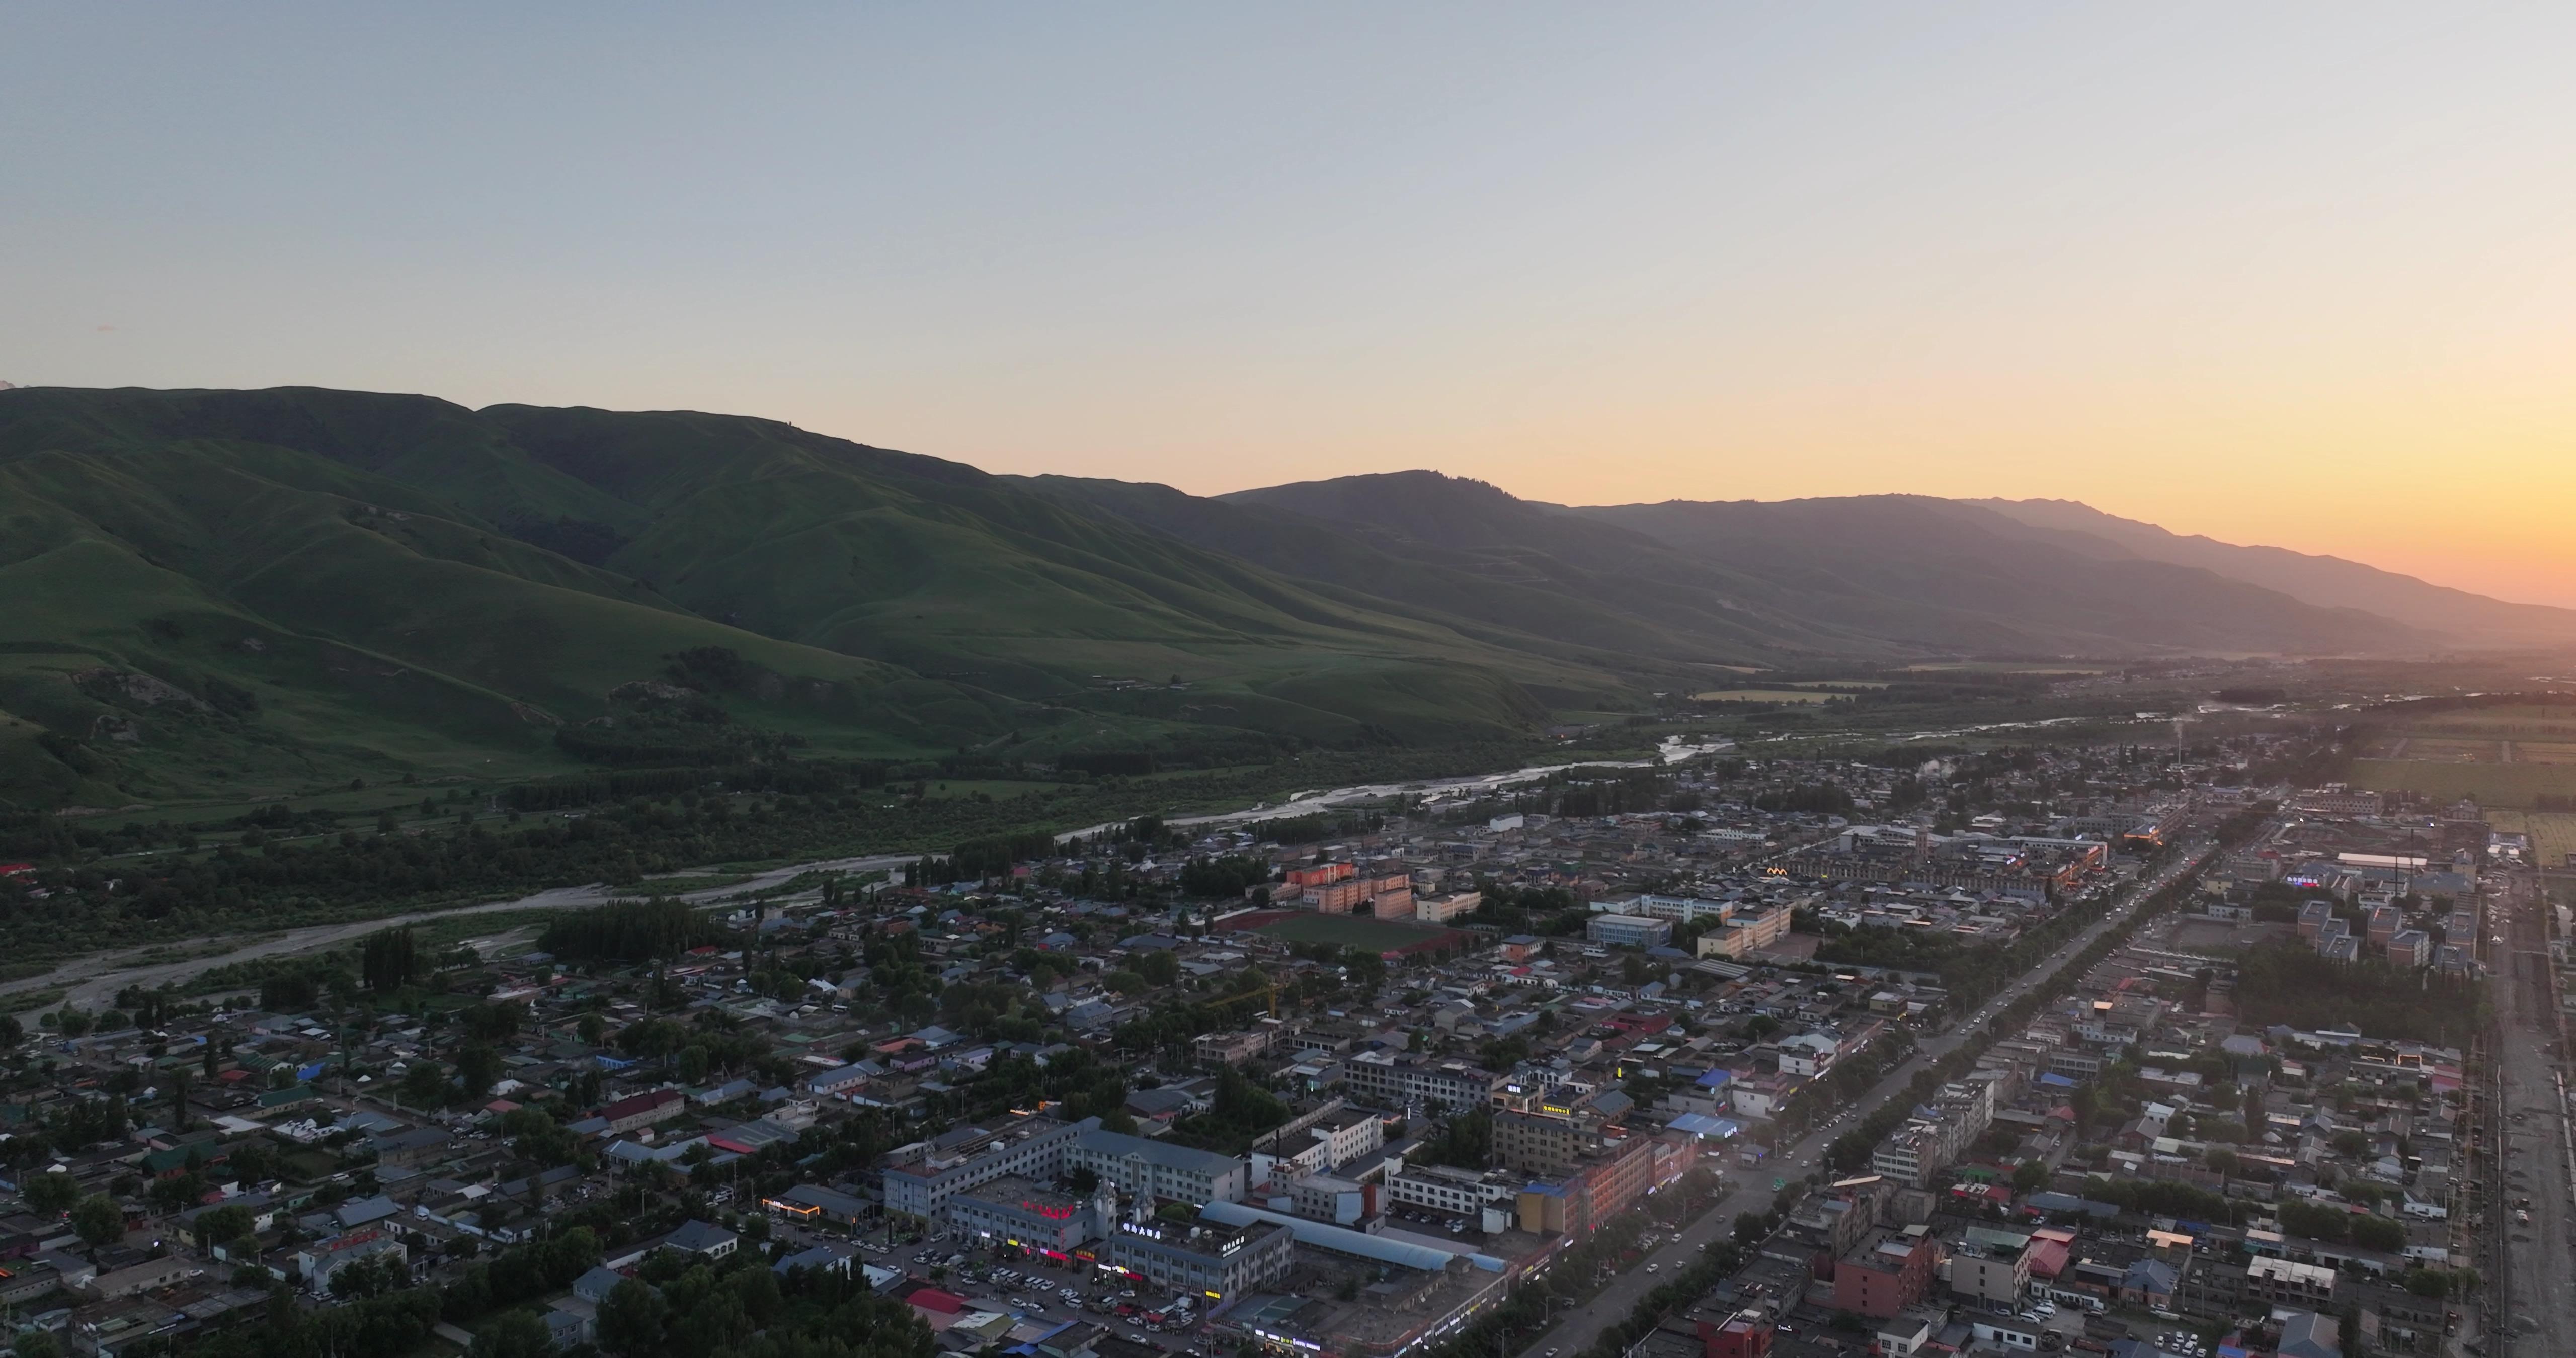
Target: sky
{"type": "Point", "coordinates": [2291, 274]}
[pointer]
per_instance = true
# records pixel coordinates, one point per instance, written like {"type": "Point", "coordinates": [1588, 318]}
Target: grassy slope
{"type": "Point", "coordinates": [356, 563]}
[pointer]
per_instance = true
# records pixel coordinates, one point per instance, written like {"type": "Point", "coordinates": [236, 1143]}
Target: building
{"type": "Point", "coordinates": [926, 1174]}
{"type": "Point", "coordinates": [1215, 1262]}
{"type": "Point", "coordinates": [1152, 1170]}
{"type": "Point", "coordinates": [1393, 1080]}
{"type": "Point", "coordinates": [1231, 1049]}
{"type": "Point", "coordinates": [1888, 1273]}
{"type": "Point", "coordinates": [813, 1205]}
{"type": "Point", "coordinates": [1602, 1185]}
{"type": "Point", "coordinates": [1742, 1335]}
{"type": "Point", "coordinates": [2282, 1282]}
{"type": "Point", "coordinates": [1991, 1267]}
{"type": "Point", "coordinates": [642, 1110]}
{"type": "Point", "coordinates": [1745, 931]}
{"type": "Point", "coordinates": [1545, 1140]}
{"type": "Point", "coordinates": [1628, 931]}
{"type": "Point", "coordinates": [1024, 1212]}
{"type": "Point", "coordinates": [1442, 909]}
{"type": "Point", "coordinates": [1459, 1192]}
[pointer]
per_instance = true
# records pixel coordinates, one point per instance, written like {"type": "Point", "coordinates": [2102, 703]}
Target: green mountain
{"type": "Point", "coordinates": [248, 590]}
{"type": "Point", "coordinates": [225, 594]}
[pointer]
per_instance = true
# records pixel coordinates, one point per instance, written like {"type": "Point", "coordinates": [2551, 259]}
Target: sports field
{"type": "Point", "coordinates": [1356, 931]}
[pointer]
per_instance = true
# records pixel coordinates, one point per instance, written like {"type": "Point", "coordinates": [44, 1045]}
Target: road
{"type": "Point", "coordinates": [92, 982]}
{"type": "Point", "coordinates": [1616, 1301]}
{"type": "Point", "coordinates": [2538, 1276]}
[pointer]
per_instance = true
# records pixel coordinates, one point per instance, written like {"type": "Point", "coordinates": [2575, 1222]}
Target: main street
{"type": "Point", "coordinates": [1620, 1297]}
{"type": "Point", "coordinates": [2537, 1278]}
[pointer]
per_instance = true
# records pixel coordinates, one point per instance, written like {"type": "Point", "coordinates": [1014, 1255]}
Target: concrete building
{"type": "Point", "coordinates": [1155, 1171]}
{"type": "Point", "coordinates": [925, 1175]}
{"type": "Point", "coordinates": [1888, 1273]}
{"type": "Point", "coordinates": [1628, 931]}
{"type": "Point", "coordinates": [1213, 1262]}
{"type": "Point", "coordinates": [1398, 1081]}
{"type": "Point", "coordinates": [1018, 1211]}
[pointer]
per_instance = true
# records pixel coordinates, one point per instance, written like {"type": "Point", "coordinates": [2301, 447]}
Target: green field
{"type": "Point", "coordinates": [1763, 695]}
{"type": "Point", "coordinates": [1351, 931]}
{"type": "Point", "coordinates": [2509, 785]}
{"type": "Point", "coordinates": [2553, 833]}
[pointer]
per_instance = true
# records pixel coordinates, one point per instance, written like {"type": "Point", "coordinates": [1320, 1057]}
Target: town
{"type": "Point", "coordinates": [2138, 1050]}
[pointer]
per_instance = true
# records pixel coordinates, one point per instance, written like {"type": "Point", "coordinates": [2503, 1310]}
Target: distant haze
{"type": "Point", "coordinates": [2291, 274]}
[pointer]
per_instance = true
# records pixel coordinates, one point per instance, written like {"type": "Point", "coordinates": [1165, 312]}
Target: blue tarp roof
{"type": "Point", "coordinates": [1701, 1124]}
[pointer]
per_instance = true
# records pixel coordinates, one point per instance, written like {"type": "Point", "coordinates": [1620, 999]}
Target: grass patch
{"type": "Point", "coordinates": [25, 1000]}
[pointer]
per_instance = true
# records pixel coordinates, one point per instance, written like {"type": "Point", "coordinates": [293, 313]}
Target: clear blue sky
{"type": "Point", "coordinates": [2297, 274]}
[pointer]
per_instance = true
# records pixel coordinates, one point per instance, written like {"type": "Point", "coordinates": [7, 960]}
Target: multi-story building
{"type": "Point", "coordinates": [1888, 1273]}
{"type": "Point", "coordinates": [1442, 909]}
{"type": "Point", "coordinates": [1216, 1262]}
{"type": "Point", "coordinates": [925, 1175]}
{"type": "Point", "coordinates": [1628, 931]}
{"type": "Point", "coordinates": [1018, 1211]}
{"type": "Point", "coordinates": [1601, 1186]}
{"type": "Point", "coordinates": [1991, 1268]}
{"type": "Point", "coordinates": [1461, 1192]}
{"type": "Point", "coordinates": [2283, 1282]}
{"type": "Point", "coordinates": [1394, 1080]}
{"type": "Point", "coordinates": [1745, 931]}
{"type": "Point", "coordinates": [1231, 1049]}
{"type": "Point", "coordinates": [1540, 1142]}
{"type": "Point", "coordinates": [1153, 1170]}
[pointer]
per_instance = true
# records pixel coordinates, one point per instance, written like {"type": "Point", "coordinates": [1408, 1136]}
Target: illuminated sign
{"type": "Point", "coordinates": [1050, 1213]}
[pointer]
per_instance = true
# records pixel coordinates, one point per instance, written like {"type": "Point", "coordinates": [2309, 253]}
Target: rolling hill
{"type": "Point", "coordinates": [238, 588]}
{"type": "Point", "coordinates": [219, 592]}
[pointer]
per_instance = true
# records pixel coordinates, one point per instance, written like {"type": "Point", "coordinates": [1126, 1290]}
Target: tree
{"type": "Point", "coordinates": [52, 1192]}
{"type": "Point", "coordinates": [219, 1225]}
{"type": "Point", "coordinates": [36, 1344]}
{"type": "Point", "coordinates": [424, 1084]}
{"type": "Point", "coordinates": [477, 1068]}
{"type": "Point", "coordinates": [633, 1319]}
{"type": "Point", "coordinates": [513, 1334]}
{"type": "Point", "coordinates": [2222, 1160]}
{"type": "Point", "coordinates": [2031, 1176]}
{"type": "Point", "coordinates": [98, 1220]}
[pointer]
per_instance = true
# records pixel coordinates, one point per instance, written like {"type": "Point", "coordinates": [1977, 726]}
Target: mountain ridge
{"type": "Point", "coordinates": [351, 584]}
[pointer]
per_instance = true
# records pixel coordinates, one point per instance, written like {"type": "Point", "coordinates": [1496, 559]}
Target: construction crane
{"type": "Point", "coordinates": [1267, 991]}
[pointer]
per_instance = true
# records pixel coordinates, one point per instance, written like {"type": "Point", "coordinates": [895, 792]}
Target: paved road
{"type": "Point", "coordinates": [1617, 1300]}
{"type": "Point", "coordinates": [2539, 1272]}
{"type": "Point", "coordinates": [92, 982]}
